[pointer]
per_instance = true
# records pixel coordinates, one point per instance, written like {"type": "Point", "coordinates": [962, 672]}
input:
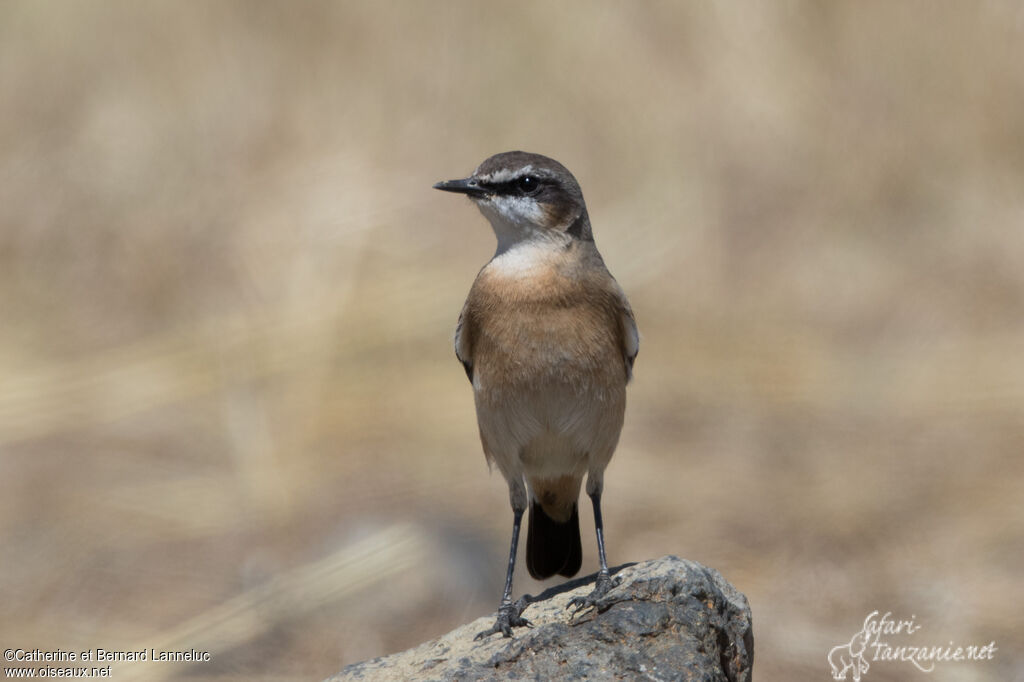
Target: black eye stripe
{"type": "Point", "coordinates": [517, 187]}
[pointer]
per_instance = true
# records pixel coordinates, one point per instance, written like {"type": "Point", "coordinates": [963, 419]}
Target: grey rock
{"type": "Point", "coordinates": [667, 619]}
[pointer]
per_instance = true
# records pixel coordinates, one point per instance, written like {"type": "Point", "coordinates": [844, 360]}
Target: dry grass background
{"type": "Point", "coordinates": [230, 417]}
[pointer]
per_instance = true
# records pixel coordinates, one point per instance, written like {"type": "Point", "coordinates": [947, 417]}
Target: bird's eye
{"type": "Point", "coordinates": [528, 184]}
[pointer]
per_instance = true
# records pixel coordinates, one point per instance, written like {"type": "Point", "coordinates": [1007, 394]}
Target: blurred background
{"type": "Point", "coordinates": [230, 414]}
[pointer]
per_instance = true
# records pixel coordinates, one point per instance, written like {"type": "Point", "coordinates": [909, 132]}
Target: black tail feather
{"type": "Point", "coordinates": [553, 547]}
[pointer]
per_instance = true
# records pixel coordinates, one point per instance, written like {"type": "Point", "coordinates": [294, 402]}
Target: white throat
{"type": "Point", "coordinates": [514, 220]}
{"type": "Point", "coordinates": [524, 258]}
{"type": "Point", "coordinates": [518, 221]}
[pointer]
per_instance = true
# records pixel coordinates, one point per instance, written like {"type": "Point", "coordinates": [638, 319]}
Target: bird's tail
{"type": "Point", "coordinates": [553, 547]}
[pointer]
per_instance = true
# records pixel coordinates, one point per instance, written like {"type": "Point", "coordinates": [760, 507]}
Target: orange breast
{"type": "Point", "coordinates": [548, 328]}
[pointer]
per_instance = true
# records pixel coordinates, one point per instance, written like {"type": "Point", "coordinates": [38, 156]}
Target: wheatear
{"type": "Point", "coordinates": [548, 340]}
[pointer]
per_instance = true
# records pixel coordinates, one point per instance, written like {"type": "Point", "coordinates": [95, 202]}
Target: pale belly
{"type": "Point", "coordinates": [550, 430]}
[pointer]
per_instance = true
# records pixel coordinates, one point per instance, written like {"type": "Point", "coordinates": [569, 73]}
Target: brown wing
{"type": "Point", "coordinates": [629, 335]}
{"type": "Point", "coordinates": [463, 342]}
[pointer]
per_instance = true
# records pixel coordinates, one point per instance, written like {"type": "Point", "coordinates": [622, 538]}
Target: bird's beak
{"type": "Point", "coordinates": [465, 186]}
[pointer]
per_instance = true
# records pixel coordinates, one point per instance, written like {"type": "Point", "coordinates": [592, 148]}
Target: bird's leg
{"type": "Point", "coordinates": [604, 582]}
{"type": "Point", "coordinates": [509, 612]}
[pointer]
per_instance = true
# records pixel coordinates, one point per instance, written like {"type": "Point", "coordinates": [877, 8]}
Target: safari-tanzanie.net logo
{"type": "Point", "coordinates": [883, 639]}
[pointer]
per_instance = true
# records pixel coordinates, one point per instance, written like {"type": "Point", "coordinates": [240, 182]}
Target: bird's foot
{"type": "Point", "coordinates": [509, 616]}
{"type": "Point", "coordinates": [602, 586]}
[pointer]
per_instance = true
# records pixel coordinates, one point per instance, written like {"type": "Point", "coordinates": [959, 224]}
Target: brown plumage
{"type": "Point", "coordinates": [548, 340]}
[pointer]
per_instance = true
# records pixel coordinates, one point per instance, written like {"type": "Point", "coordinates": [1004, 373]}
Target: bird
{"type": "Point", "coordinates": [548, 341]}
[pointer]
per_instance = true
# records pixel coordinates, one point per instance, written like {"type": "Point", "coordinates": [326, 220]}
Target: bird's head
{"type": "Point", "coordinates": [526, 197]}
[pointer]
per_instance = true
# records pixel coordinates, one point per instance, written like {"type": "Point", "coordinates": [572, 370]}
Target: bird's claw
{"type": "Point", "coordinates": [602, 587]}
{"type": "Point", "coordinates": [509, 616]}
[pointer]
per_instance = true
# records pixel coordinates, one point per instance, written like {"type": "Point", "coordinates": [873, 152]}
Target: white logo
{"type": "Point", "coordinates": [867, 645]}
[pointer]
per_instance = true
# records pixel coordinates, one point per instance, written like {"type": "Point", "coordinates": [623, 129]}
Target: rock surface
{"type": "Point", "coordinates": [667, 619]}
